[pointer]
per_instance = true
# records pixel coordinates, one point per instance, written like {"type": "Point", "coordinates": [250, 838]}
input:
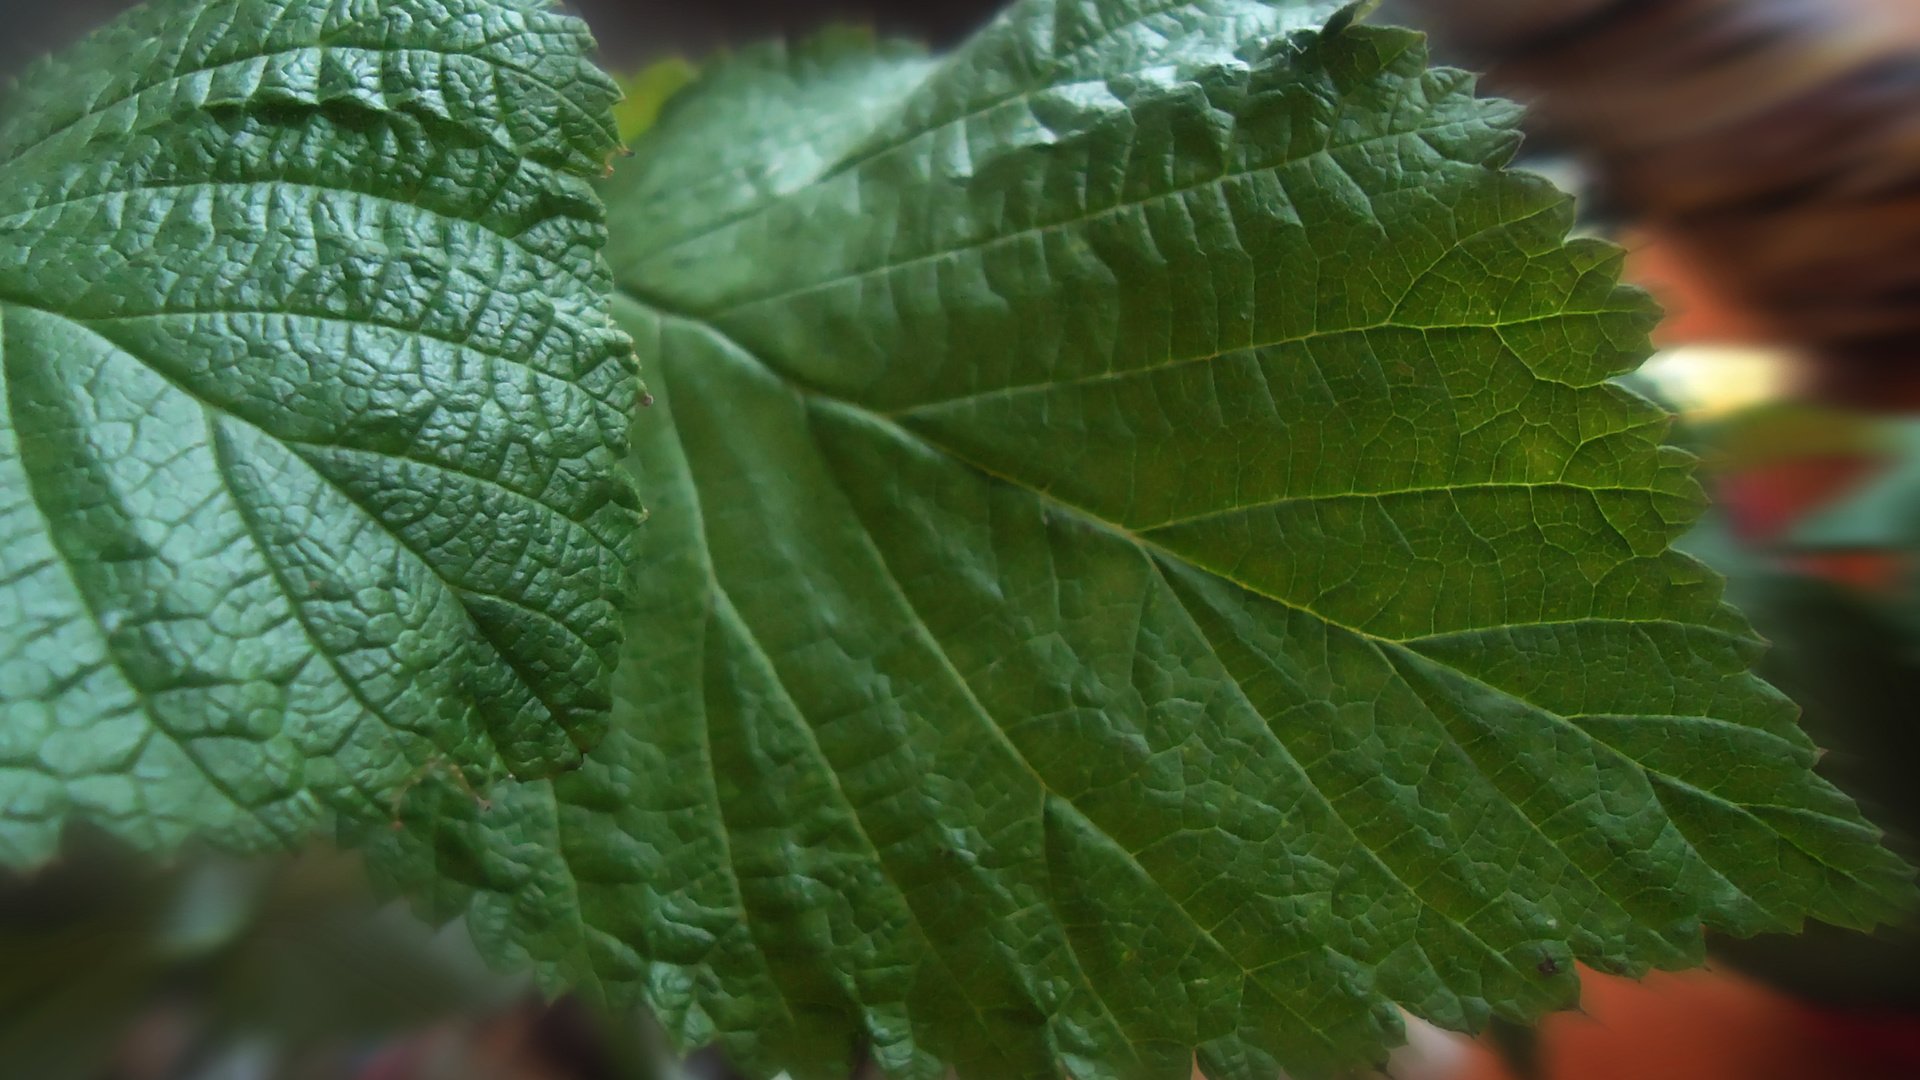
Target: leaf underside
{"type": "Point", "coordinates": [311, 416]}
{"type": "Point", "coordinates": [1145, 561]}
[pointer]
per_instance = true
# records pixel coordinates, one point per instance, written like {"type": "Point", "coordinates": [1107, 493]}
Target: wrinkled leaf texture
{"type": "Point", "coordinates": [1146, 559]}
{"type": "Point", "coordinates": [312, 416]}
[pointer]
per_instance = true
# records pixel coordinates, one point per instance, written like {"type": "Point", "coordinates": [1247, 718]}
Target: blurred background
{"type": "Point", "coordinates": [1761, 161]}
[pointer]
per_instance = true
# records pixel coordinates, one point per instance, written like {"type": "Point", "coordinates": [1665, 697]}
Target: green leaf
{"type": "Point", "coordinates": [311, 417]}
{"type": "Point", "coordinates": [1146, 557]}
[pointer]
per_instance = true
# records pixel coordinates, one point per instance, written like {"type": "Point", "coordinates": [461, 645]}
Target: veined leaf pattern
{"type": "Point", "coordinates": [311, 417]}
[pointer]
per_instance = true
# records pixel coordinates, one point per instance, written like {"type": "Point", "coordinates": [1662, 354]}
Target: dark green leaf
{"type": "Point", "coordinates": [311, 415]}
{"type": "Point", "coordinates": [1146, 557]}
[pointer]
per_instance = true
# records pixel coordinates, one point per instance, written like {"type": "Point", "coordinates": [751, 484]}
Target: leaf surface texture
{"type": "Point", "coordinates": [311, 415]}
{"type": "Point", "coordinates": [1146, 560]}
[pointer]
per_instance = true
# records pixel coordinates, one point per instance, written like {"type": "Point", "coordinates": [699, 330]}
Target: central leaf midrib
{"type": "Point", "coordinates": [1046, 788]}
{"type": "Point", "coordinates": [894, 424]}
{"type": "Point", "coordinates": [933, 944]}
{"type": "Point", "coordinates": [752, 642]}
{"type": "Point", "coordinates": [1156, 554]}
{"type": "Point", "coordinates": [993, 724]}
